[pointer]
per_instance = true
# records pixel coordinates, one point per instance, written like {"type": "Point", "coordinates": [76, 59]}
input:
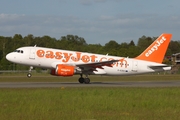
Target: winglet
{"type": "Point", "coordinates": [156, 51]}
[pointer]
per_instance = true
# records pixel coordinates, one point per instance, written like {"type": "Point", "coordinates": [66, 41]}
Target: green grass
{"type": "Point", "coordinates": [90, 103]}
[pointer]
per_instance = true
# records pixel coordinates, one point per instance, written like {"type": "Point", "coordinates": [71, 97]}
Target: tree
{"type": "Point", "coordinates": [174, 46]}
{"type": "Point", "coordinates": [29, 40]}
{"type": "Point", "coordinates": [111, 47]}
{"type": "Point", "coordinates": [131, 43]}
{"type": "Point", "coordinates": [144, 42]}
{"type": "Point", "coordinates": [71, 42]}
{"type": "Point", "coordinates": [18, 41]}
{"type": "Point", "coordinates": [94, 48]}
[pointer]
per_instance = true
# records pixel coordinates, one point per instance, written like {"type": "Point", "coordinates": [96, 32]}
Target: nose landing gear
{"type": "Point", "coordinates": [29, 73]}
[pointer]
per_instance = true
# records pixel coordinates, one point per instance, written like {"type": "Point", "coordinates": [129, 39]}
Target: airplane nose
{"type": "Point", "coordinates": [9, 57]}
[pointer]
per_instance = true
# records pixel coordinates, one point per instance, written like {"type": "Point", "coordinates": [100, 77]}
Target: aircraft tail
{"type": "Point", "coordinates": [156, 51]}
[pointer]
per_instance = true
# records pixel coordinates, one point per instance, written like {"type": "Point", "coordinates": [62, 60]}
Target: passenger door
{"type": "Point", "coordinates": [32, 54]}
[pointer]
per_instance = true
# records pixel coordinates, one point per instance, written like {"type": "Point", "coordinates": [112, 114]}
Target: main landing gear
{"type": "Point", "coordinates": [85, 80]}
{"type": "Point", "coordinates": [29, 73]}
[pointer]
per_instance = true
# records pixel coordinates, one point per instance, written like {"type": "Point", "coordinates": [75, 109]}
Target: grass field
{"type": "Point", "coordinates": [90, 103]}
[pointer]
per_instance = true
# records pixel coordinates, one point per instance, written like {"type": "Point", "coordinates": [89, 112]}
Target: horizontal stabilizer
{"type": "Point", "coordinates": [160, 67]}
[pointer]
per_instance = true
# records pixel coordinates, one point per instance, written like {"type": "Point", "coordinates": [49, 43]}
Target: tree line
{"type": "Point", "coordinates": [76, 43]}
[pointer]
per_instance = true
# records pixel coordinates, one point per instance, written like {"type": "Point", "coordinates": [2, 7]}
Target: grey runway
{"type": "Point", "coordinates": [92, 84]}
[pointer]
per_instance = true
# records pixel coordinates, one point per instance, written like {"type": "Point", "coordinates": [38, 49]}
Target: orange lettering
{"type": "Point", "coordinates": [110, 59]}
{"type": "Point", "coordinates": [40, 53]}
{"type": "Point", "coordinates": [122, 62]}
{"type": "Point", "coordinates": [58, 55]}
{"type": "Point", "coordinates": [49, 54]}
{"type": "Point", "coordinates": [85, 58]}
{"type": "Point", "coordinates": [102, 59]}
{"type": "Point", "coordinates": [66, 57]}
{"type": "Point", "coordinates": [77, 58]}
{"type": "Point", "coordinates": [93, 57]}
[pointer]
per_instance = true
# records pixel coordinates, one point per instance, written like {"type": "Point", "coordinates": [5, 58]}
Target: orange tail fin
{"type": "Point", "coordinates": [156, 51]}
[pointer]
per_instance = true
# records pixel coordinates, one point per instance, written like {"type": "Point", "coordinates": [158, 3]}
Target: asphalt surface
{"type": "Point", "coordinates": [93, 84]}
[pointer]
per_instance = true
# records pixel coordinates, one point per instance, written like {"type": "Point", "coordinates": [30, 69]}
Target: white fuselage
{"type": "Point", "coordinates": [49, 58]}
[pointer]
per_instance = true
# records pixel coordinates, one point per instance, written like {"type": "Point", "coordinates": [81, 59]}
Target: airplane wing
{"type": "Point", "coordinates": [90, 67]}
{"type": "Point", "coordinates": [97, 64]}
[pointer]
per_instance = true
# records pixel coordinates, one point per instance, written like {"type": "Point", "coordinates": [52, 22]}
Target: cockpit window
{"type": "Point", "coordinates": [19, 51]}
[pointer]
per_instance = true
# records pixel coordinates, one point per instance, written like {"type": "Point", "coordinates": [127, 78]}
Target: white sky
{"type": "Point", "coordinates": [97, 21]}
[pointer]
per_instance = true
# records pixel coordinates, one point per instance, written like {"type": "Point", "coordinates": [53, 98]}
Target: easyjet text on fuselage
{"type": "Point", "coordinates": [75, 57]}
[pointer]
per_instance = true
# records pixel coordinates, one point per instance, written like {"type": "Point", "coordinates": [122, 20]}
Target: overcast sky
{"type": "Point", "coordinates": [97, 21]}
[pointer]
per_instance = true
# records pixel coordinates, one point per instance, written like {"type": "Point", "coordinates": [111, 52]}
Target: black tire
{"type": "Point", "coordinates": [81, 80]}
{"type": "Point", "coordinates": [86, 80]}
{"type": "Point", "coordinates": [29, 75]}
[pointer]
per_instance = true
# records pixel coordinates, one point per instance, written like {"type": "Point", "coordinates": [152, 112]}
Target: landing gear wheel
{"type": "Point", "coordinates": [86, 80]}
{"type": "Point", "coordinates": [81, 80]}
{"type": "Point", "coordinates": [29, 75]}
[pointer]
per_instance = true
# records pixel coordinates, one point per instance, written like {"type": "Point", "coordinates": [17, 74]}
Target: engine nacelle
{"type": "Point", "coordinates": [63, 70]}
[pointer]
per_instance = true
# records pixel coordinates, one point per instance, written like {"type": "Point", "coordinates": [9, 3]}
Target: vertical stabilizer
{"type": "Point", "coordinates": [156, 51]}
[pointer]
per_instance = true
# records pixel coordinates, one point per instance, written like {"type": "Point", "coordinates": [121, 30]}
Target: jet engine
{"type": "Point", "coordinates": [63, 70]}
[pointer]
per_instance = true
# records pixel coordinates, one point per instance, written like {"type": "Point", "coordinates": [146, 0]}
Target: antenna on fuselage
{"type": "Point", "coordinates": [34, 45]}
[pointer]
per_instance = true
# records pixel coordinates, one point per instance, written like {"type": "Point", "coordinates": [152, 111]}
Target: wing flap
{"type": "Point", "coordinates": [98, 64]}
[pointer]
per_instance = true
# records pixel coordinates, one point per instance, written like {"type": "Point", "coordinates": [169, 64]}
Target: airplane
{"type": "Point", "coordinates": [67, 63]}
